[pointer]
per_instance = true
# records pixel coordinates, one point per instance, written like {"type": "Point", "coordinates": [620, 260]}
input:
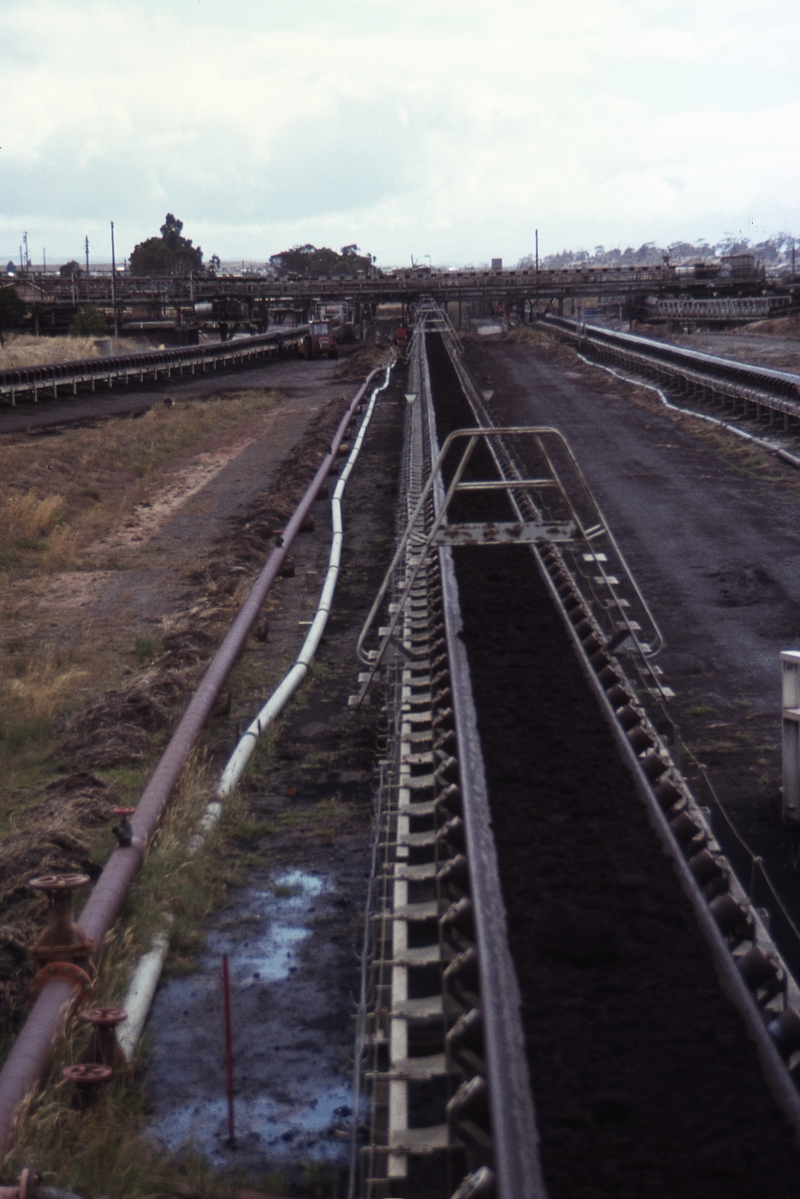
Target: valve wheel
{"type": "Point", "coordinates": [55, 884]}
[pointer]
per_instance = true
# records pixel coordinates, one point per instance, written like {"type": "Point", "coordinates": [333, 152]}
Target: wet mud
{"type": "Point", "coordinates": [284, 935]}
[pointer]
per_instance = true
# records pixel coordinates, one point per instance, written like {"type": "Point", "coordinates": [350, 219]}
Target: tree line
{"type": "Point", "coordinates": [773, 252]}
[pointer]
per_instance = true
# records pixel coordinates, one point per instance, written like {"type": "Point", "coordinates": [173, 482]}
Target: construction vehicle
{"type": "Point", "coordinates": [320, 340]}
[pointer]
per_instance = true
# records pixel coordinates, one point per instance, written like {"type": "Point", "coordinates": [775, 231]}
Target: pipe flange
{"type": "Point", "coordinates": [68, 970]}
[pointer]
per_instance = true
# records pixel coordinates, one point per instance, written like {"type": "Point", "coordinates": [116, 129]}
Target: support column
{"type": "Point", "coordinates": [790, 685]}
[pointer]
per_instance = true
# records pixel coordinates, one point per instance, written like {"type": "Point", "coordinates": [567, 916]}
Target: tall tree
{"type": "Point", "coordinates": [309, 261]}
{"type": "Point", "coordinates": [169, 254]}
{"type": "Point", "coordinates": [12, 310]}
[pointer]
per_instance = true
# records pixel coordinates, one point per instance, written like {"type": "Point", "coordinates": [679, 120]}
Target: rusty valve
{"type": "Point", "coordinates": [62, 940]}
{"type": "Point", "coordinates": [103, 1049]}
{"type": "Point", "coordinates": [88, 1077]}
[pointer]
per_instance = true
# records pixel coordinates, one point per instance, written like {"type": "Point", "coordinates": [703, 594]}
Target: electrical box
{"type": "Point", "coordinates": [790, 687]}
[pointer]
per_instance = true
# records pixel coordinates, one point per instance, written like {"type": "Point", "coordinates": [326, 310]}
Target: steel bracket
{"type": "Point", "coordinates": [494, 532]}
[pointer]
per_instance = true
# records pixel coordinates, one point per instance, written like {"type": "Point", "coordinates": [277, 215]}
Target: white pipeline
{"type": "Point", "coordinates": [139, 996]}
{"type": "Point", "coordinates": [244, 750]}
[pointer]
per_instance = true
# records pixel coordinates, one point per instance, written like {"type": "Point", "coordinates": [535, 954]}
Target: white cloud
{"type": "Point", "coordinates": [442, 128]}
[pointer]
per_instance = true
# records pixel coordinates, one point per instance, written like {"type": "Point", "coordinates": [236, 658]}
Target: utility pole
{"type": "Point", "coordinates": [27, 256]}
{"type": "Point", "coordinates": [44, 262]}
{"type": "Point", "coordinates": [86, 250]}
{"type": "Point", "coordinates": [114, 284]}
{"type": "Point", "coordinates": [537, 273]}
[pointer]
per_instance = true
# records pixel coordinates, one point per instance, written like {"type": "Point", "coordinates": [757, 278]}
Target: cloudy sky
{"type": "Point", "coordinates": [449, 128]}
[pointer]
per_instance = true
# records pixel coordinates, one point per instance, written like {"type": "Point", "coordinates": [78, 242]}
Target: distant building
{"type": "Point", "coordinates": [497, 264]}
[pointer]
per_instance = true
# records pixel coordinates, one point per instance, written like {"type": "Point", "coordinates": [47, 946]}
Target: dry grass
{"type": "Point", "coordinates": [33, 523]}
{"type": "Point", "coordinates": [58, 496]}
{"type": "Point", "coordinates": [22, 349]}
{"type": "Point", "coordinates": [37, 687]}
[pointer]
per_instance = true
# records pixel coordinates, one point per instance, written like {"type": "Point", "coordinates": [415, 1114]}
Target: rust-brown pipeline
{"type": "Point", "coordinates": [30, 1053]}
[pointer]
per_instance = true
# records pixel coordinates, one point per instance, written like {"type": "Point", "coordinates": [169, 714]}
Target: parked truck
{"type": "Point", "coordinates": [320, 340]}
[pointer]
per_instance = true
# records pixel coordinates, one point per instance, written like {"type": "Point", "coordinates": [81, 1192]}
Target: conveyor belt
{"type": "Point", "coordinates": [451, 1074]}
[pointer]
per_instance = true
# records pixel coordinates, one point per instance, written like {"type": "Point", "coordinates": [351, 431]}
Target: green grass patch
{"type": "Point", "coordinates": [252, 830]}
{"type": "Point", "coordinates": [717, 747]}
{"type": "Point", "coordinates": [129, 782]}
{"type": "Point", "coordinates": [292, 818]}
{"type": "Point", "coordinates": [145, 648]}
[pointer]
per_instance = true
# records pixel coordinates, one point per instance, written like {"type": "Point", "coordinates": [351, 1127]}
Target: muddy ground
{"type": "Point", "coordinates": [293, 929]}
{"type": "Point", "coordinates": [710, 530]}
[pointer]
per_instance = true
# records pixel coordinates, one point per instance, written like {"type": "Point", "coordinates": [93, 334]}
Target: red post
{"type": "Point", "coordinates": [226, 991]}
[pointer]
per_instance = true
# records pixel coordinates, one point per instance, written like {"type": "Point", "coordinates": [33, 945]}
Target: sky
{"type": "Point", "coordinates": [446, 130]}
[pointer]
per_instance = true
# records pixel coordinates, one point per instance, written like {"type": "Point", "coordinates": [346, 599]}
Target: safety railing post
{"type": "Point", "coordinates": [790, 685]}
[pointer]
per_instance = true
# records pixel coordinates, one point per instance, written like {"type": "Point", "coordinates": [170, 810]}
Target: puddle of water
{"type": "Point", "coordinates": [290, 1034]}
{"type": "Point", "coordinates": [280, 1131]}
{"type": "Point", "coordinates": [262, 936]}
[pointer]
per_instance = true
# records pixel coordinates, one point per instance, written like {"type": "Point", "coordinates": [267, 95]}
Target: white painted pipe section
{"type": "Point", "coordinates": [207, 821]}
{"type": "Point", "coordinates": [141, 990]}
{"type": "Point", "coordinates": [247, 744]}
{"type": "Point", "coordinates": [710, 420]}
{"type": "Point", "coordinates": [144, 980]}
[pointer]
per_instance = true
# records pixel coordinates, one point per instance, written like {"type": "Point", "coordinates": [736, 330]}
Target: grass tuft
{"type": "Point", "coordinates": [146, 647]}
{"type": "Point", "coordinates": [252, 830]}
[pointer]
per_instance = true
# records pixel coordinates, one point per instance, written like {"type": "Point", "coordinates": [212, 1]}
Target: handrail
{"type": "Point", "coordinates": [472, 436]}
